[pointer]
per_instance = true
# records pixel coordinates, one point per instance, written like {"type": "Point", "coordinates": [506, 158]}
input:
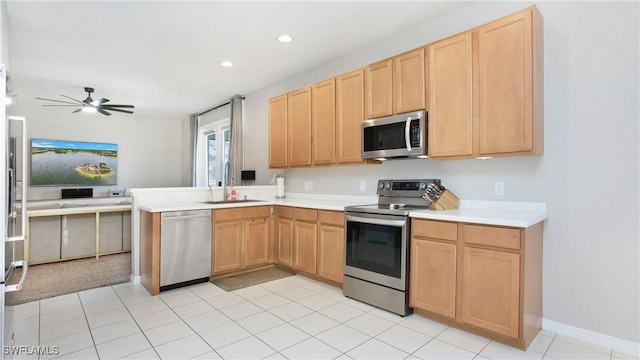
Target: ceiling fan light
{"type": "Point", "coordinates": [284, 38]}
{"type": "Point", "coordinates": [89, 109]}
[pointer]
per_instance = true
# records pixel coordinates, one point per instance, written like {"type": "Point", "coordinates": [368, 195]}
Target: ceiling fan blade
{"type": "Point", "coordinates": [101, 111]}
{"type": "Point", "coordinates": [61, 105]}
{"type": "Point", "coordinates": [111, 109]}
{"type": "Point", "coordinates": [68, 97]}
{"type": "Point", "coordinates": [60, 101]}
{"type": "Point", "coordinates": [121, 106]}
{"type": "Point", "coordinates": [73, 112]}
{"type": "Point", "coordinates": [99, 102]}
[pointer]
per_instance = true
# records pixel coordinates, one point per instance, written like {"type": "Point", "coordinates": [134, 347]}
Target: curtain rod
{"type": "Point", "coordinates": [219, 106]}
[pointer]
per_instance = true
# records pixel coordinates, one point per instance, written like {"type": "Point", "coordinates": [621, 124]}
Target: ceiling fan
{"type": "Point", "coordinates": [90, 105]}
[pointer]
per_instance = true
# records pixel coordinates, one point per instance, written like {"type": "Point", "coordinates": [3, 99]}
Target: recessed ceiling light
{"type": "Point", "coordinates": [284, 38]}
{"type": "Point", "coordinates": [227, 63]}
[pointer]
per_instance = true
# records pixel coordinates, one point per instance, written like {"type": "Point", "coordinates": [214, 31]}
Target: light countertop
{"type": "Point", "coordinates": [521, 217]}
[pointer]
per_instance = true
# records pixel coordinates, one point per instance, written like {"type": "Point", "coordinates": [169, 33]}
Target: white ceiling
{"type": "Point", "coordinates": [164, 56]}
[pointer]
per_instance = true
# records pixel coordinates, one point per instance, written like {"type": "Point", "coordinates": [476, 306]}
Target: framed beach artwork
{"type": "Point", "coordinates": [62, 163]}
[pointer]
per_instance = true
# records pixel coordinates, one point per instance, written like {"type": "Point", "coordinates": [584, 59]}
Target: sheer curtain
{"type": "Point", "coordinates": [236, 153]}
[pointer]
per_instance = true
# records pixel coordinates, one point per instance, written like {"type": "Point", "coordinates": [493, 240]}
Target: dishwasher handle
{"type": "Point", "coordinates": [182, 217]}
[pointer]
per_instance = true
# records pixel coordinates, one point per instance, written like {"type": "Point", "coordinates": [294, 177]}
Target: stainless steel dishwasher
{"type": "Point", "coordinates": [185, 248]}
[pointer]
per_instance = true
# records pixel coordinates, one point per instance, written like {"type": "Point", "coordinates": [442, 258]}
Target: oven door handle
{"type": "Point", "coordinates": [376, 221]}
{"type": "Point", "coordinates": [407, 133]}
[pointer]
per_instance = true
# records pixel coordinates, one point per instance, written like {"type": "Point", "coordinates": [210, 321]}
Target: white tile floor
{"type": "Point", "coordinates": [294, 318]}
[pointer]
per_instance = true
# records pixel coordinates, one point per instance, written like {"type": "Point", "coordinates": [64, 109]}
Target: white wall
{"type": "Point", "coordinates": [588, 175]}
{"type": "Point", "coordinates": [149, 150]}
{"type": "Point", "coordinates": [4, 34]}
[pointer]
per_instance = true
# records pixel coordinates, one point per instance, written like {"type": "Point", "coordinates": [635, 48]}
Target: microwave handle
{"type": "Point", "coordinates": [407, 133]}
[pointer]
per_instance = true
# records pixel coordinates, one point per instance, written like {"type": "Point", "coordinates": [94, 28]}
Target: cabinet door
{"type": "Point", "coordinates": [379, 89]}
{"type": "Point", "coordinates": [305, 238]}
{"type": "Point", "coordinates": [126, 231]}
{"type": "Point", "coordinates": [409, 81]}
{"type": "Point", "coordinates": [505, 73]}
{"type": "Point", "coordinates": [110, 232]}
{"type": "Point", "coordinates": [324, 122]}
{"type": "Point", "coordinates": [491, 290]}
{"type": "Point", "coordinates": [78, 236]}
{"type": "Point", "coordinates": [44, 239]}
{"type": "Point", "coordinates": [299, 126]}
{"type": "Point", "coordinates": [285, 241]}
{"type": "Point", "coordinates": [278, 132]}
{"type": "Point", "coordinates": [450, 93]}
{"type": "Point", "coordinates": [331, 253]}
{"type": "Point", "coordinates": [227, 246]}
{"type": "Point", "coordinates": [256, 242]}
{"type": "Point", "coordinates": [349, 116]}
{"type": "Point", "coordinates": [433, 277]}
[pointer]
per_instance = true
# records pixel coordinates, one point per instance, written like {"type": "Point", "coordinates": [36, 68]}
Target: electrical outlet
{"type": "Point", "coordinates": [310, 185]}
{"type": "Point", "coordinates": [306, 185]}
{"type": "Point", "coordinates": [363, 185]}
{"type": "Point", "coordinates": [499, 188]}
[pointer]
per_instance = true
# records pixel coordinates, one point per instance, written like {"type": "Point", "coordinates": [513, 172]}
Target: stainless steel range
{"type": "Point", "coordinates": [377, 237]}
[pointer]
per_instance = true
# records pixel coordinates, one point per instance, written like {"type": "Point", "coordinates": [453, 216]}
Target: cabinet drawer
{"type": "Point", "coordinates": [306, 214]}
{"type": "Point", "coordinates": [435, 229]}
{"type": "Point", "coordinates": [285, 212]}
{"type": "Point", "coordinates": [241, 213]}
{"type": "Point", "coordinates": [492, 236]}
{"type": "Point", "coordinates": [331, 217]}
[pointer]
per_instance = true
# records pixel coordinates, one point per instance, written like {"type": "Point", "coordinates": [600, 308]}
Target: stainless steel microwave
{"type": "Point", "coordinates": [403, 135]}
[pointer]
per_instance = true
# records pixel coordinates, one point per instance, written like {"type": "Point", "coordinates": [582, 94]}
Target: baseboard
{"type": "Point", "coordinates": [617, 344]}
{"type": "Point", "coordinates": [135, 279]}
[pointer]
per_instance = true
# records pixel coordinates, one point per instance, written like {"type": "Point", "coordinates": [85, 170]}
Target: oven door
{"type": "Point", "coordinates": [376, 249]}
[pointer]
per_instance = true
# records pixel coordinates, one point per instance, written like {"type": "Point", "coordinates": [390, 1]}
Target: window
{"type": "Point", "coordinates": [213, 153]}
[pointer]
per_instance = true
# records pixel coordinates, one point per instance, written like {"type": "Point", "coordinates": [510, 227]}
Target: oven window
{"type": "Point", "coordinates": [385, 137]}
{"type": "Point", "coordinates": [375, 248]}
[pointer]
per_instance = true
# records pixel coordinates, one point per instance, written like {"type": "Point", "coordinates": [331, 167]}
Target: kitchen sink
{"type": "Point", "coordinates": [233, 201]}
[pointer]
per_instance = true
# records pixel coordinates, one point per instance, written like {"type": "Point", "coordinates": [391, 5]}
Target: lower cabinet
{"type": "Point", "coordinates": [78, 236]}
{"type": "Point", "coordinates": [44, 239]}
{"type": "Point", "coordinates": [240, 238]}
{"type": "Point", "coordinates": [311, 241]}
{"type": "Point", "coordinates": [70, 236]}
{"type": "Point", "coordinates": [485, 279]}
{"type": "Point", "coordinates": [305, 239]}
{"type": "Point", "coordinates": [331, 245]}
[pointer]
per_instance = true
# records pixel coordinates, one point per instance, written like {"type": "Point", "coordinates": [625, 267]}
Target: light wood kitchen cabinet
{"type": "Point", "coordinates": [491, 290]}
{"type": "Point", "coordinates": [299, 127]}
{"type": "Point", "coordinates": [349, 116]}
{"type": "Point", "coordinates": [396, 85]}
{"type": "Point", "coordinates": [433, 274]}
{"type": "Point", "coordinates": [450, 88]}
{"type": "Point", "coordinates": [278, 133]}
{"type": "Point", "coordinates": [227, 246]}
{"type": "Point", "coordinates": [323, 117]}
{"type": "Point", "coordinates": [331, 245]}
{"type": "Point", "coordinates": [409, 81]}
{"type": "Point", "coordinates": [240, 238]}
{"type": "Point", "coordinates": [305, 239]}
{"type": "Point", "coordinates": [510, 84]}
{"type": "Point", "coordinates": [379, 89]}
{"type": "Point", "coordinates": [482, 278]}
{"type": "Point", "coordinates": [284, 236]}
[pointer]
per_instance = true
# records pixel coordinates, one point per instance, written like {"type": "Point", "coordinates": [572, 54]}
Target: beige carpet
{"type": "Point", "coordinates": [251, 278]}
{"type": "Point", "coordinates": [65, 277]}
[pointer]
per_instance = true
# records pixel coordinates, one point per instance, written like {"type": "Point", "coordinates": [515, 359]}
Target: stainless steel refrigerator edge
{"type": "Point", "coordinates": [13, 227]}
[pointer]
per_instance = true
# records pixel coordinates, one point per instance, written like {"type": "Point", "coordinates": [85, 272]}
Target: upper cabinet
{"type": "Point", "coordinates": [485, 89]}
{"type": "Point", "coordinates": [299, 126]}
{"type": "Point", "coordinates": [323, 97]}
{"type": "Point", "coordinates": [349, 116]}
{"type": "Point", "coordinates": [278, 134]}
{"type": "Point", "coordinates": [450, 120]}
{"type": "Point", "coordinates": [510, 84]}
{"type": "Point", "coordinates": [396, 85]}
